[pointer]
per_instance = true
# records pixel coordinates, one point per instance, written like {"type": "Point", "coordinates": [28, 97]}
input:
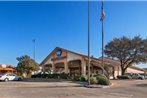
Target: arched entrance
{"type": "Point", "coordinates": [47, 68]}
{"type": "Point", "coordinates": [59, 67]}
{"type": "Point", "coordinates": [74, 68]}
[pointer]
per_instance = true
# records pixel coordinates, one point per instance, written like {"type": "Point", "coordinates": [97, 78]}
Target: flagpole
{"type": "Point", "coordinates": [102, 20]}
{"type": "Point", "coordinates": [103, 45]}
{"type": "Point", "coordinates": [89, 42]}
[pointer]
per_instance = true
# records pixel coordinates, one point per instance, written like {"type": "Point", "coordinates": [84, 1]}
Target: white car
{"type": "Point", "coordinates": [9, 77]}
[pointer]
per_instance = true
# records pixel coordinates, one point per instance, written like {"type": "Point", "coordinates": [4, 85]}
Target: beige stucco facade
{"type": "Point", "coordinates": [67, 61]}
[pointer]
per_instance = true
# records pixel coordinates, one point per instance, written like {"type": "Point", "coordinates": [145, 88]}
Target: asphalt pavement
{"type": "Point", "coordinates": [67, 89]}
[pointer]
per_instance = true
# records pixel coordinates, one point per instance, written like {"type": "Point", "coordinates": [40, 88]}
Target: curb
{"type": "Point", "coordinates": [97, 86]}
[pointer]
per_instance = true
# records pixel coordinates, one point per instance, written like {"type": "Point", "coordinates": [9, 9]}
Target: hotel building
{"type": "Point", "coordinates": [63, 60]}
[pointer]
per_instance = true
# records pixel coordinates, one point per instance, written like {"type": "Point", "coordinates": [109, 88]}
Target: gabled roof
{"type": "Point", "coordinates": [108, 60]}
{"type": "Point", "coordinates": [113, 62]}
{"type": "Point", "coordinates": [61, 49]}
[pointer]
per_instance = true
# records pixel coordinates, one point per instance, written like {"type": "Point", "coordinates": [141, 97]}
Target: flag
{"type": "Point", "coordinates": [102, 12]}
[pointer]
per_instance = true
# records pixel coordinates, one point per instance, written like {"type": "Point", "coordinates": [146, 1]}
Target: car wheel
{"type": "Point", "coordinates": [19, 79]}
{"type": "Point", "coordinates": [142, 78]}
{"type": "Point", "coordinates": [6, 80]}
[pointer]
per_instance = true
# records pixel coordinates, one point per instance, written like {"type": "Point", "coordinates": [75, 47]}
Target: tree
{"type": "Point", "coordinates": [128, 51]}
{"type": "Point", "coordinates": [26, 65]}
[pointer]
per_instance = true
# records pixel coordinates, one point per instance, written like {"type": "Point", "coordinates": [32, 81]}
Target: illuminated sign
{"type": "Point", "coordinates": [59, 52]}
{"type": "Point", "coordinates": [58, 58]}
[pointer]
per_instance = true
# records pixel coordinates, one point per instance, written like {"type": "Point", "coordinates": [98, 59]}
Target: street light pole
{"type": "Point", "coordinates": [34, 49]}
{"type": "Point", "coordinates": [88, 42]}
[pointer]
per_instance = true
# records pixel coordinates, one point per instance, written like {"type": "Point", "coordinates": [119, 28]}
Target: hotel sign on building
{"type": "Point", "coordinates": [58, 55]}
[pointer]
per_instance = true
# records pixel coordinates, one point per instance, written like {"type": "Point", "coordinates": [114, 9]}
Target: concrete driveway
{"type": "Point", "coordinates": [120, 89]}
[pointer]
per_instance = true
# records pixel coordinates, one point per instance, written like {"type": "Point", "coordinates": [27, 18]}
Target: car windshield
{"type": "Point", "coordinates": [2, 74]}
{"type": "Point", "coordinates": [142, 74]}
{"type": "Point", "coordinates": [13, 74]}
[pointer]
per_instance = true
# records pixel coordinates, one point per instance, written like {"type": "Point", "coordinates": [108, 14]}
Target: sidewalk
{"type": "Point", "coordinates": [53, 82]}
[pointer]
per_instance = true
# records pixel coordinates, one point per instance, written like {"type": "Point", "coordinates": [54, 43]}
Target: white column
{"type": "Point", "coordinates": [66, 67]}
{"type": "Point", "coordinates": [53, 68]}
{"type": "Point", "coordinates": [83, 64]}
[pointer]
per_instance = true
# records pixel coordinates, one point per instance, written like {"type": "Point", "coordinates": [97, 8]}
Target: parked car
{"type": "Point", "coordinates": [10, 77]}
{"type": "Point", "coordinates": [124, 77]}
{"type": "Point", "coordinates": [143, 74]}
{"type": "Point", "coordinates": [135, 75]}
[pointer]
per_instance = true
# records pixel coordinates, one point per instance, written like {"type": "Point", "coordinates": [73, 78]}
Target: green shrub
{"type": "Point", "coordinates": [93, 80]}
{"type": "Point", "coordinates": [76, 78]}
{"type": "Point", "coordinates": [102, 79]}
{"type": "Point", "coordinates": [33, 76]}
{"type": "Point", "coordinates": [43, 76]}
{"type": "Point", "coordinates": [64, 75]}
{"type": "Point", "coordinates": [79, 78]}
{"type": "Point", "coordinates": [82, 78]}
{"type": "Point", "coordinates": [49, 76]}
{"type": "Point", "coordinates": [38, 75]}
{"type": "Point", "coordinates": [55, 76]}
{"type": "Point", "coordinates": [52, 76]}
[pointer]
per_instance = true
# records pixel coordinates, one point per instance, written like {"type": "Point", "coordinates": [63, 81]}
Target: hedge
{"type": "Point", "coordinates": [51, 76]}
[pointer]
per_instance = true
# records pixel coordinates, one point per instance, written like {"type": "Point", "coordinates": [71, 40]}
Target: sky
{"type": "Point", "coordinates": [64, 24]}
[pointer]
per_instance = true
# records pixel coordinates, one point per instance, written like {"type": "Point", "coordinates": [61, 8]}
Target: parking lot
{"type": "Point", "coordinates": [119, 89]}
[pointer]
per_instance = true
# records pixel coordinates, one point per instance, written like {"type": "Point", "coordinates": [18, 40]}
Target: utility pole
{"type": "Point", "coordinates": [89, 42]}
